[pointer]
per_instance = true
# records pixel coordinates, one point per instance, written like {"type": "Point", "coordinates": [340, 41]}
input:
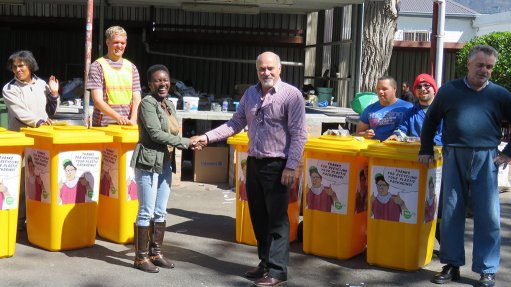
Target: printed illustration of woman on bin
{"type": "Point", "coordinates": [319, 197]}
{"type": "Point", "coordinates": [106, 186]}
{"type": "Point", "coordinates": [386, 205]}
{"type": "Point", "coordinates": [4, 194]}
{"type": "Point", "coordinates": [242, 181]}
{"type": "Point", "coordinates": [431, 202]}
{"type": "Point", "coordinates": [154, 161]}
{"type": "Point", "coordinates": [34, 186]}
{"type": "Point", "coordinates": [132, 188]}
{"type": "Point", "coordinates": [74, 189]}
{"type": "Point", "coordinates": [361, 195]}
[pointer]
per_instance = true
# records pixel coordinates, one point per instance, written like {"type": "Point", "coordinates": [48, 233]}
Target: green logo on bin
{"type": "Point", "coordinates": [113, 190]}
{"type": "Point", "coordinates": [9, 200]}
{"type": "Point", "coordinates": [90, 193]}
{"type": "Point", "coordinates": [45, 194]}
{"type": "Point", "coordinates": [407, 214]}
{"type": "Point", "coordinates": [338, 205]}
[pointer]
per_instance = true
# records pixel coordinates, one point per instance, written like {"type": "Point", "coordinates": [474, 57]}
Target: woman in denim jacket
{"type": "Point", "coordinates": [154, 161]}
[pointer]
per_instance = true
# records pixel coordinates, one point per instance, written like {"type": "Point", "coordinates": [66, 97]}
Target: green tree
{"type": "Point", "coordinates": [501, 41]}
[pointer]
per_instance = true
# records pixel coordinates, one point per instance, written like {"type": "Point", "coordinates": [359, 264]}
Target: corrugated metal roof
{"type": "Point", "coordinates": [425, 7]}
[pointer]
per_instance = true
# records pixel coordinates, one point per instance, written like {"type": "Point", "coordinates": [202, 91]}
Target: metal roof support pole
{"type": "Point", "coordinates": [358, 42]}
{"type": "Point", "coordinates": [440, 43]}
{"type": "Point", "coordinates": [88, 49]}
{"type": "Point", "coordinates": [436, 55]}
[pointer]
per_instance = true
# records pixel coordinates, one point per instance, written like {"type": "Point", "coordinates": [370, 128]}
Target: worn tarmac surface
{"type": "Point", "coordinates": [200, 238]}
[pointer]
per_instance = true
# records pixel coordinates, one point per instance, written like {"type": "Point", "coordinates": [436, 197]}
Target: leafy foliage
{"type": "Point", "coordinates": [501, 41]}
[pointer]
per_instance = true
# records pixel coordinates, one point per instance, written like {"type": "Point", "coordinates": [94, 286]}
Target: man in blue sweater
{"type": "Point", "coordinates": [472, 109]}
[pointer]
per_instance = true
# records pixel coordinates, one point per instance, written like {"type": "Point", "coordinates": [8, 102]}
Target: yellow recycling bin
{"type": "Point", "coordinates": [12, 145]}
{"type": "Point", "coordinates": [402, 206]}
{"type": "Point", "coordinates": [62, 185]}
{"type": "Point", "coordinates": [118, 201]}
{"type": "Point", "coordinates": [335, 196]}
{"type": "Point", "coordinates": [244, 230]}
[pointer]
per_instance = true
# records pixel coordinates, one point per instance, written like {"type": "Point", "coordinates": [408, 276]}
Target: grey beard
{"type": "Point", "coordinates": [267, 83]}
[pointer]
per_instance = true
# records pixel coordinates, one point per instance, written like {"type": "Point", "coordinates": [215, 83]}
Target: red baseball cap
{"type": "Point", "coordinates": [426, 79]}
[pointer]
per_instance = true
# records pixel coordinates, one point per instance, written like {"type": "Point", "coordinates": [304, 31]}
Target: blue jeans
{"type": "Point", "coordinates": [470, 177]}
{"type": "Point", "coordinates": [153, 192]}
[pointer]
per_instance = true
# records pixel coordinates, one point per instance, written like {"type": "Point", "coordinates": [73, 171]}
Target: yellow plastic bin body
{"type": "Point", "coordinates": [62, 186]}
{"type": "Point", "coordinates": [118, 201]}
{"type": "Point", "coordinates": [403, 205]}
{"type": "Point", "coordinates": [335, 196]}
{"type": "Point", "coordinates": [244, 230]}
{"type": "Point", "coordinates": [12, 145]}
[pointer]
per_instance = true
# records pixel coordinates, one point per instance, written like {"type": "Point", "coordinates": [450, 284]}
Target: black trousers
{"type": "Point", "coordinates": [268, 201]}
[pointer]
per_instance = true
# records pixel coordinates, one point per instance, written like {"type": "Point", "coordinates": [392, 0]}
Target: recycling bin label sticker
{"type": "Point", "coordinates": [10, 168]}
{"type": "Point", "coordinates": [432, 194]}
{"type": "Point", "coordinates": [394, 193]}
{"type": "Point", "coordinates": [109, 179]}
{"type": "Point", "coordinates": [78, 176]}
{"type": "Point", "coordinates": [37, 175]}
{"type": "Point", "coordinates": [131, 184]}
{"type": "Point", "coordinates": [327, 185]}
{"type": "Point", "coordinates": [242, 175]}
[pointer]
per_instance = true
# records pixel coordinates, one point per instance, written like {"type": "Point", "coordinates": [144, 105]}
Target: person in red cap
{"type": "Point", "coordinates": [411, 124]}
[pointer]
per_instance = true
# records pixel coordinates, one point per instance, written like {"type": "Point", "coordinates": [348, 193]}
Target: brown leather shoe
{"type": "Point", "coordinates": [256, 272]}
{"type": "Point", "coordinates": [269, 282]}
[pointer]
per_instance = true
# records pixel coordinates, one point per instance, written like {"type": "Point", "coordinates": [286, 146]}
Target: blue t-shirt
{"type": "Point", "coordinates": [384, 119]}
{"type": "Point", "coordinates": [411, 125]}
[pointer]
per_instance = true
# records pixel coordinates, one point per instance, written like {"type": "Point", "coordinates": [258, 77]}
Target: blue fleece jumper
{"type": "Point", "coordinates": [412, 122]}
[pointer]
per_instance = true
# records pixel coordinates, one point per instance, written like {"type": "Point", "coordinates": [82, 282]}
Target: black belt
{"type": "Point", "coordinates": [268, 158]}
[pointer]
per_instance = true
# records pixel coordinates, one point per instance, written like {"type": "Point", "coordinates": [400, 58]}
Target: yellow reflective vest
{"type": "Point", "coordinates": [118, 82]}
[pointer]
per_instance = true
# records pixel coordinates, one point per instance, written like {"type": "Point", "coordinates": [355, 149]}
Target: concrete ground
{"type": "Point", "coordinates": [200, 239]}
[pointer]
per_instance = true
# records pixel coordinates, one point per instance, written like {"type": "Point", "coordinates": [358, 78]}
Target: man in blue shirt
{"type": "Point", "coordinates": [411, 125]}
{"type": "Point", "coordinates": [472, 109]}
{"type": "Point", "coordinates": [379, 120]}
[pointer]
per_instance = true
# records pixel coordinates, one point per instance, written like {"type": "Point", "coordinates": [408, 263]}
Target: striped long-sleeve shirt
{"type": "Point", "coordinates": [276, 125]}
{"type": "Point", "coordinates": [96, 81]}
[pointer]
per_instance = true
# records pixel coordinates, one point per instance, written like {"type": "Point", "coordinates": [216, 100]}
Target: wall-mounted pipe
{"type": "Point", "coordinates": [226, 60]}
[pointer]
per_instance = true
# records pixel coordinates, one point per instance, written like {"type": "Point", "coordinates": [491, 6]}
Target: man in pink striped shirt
{"type": "Point", "coordinates": [275, 114]}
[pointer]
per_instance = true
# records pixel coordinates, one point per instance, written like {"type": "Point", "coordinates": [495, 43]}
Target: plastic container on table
{"type": "Point", "coordinates": [4, 115]}
{"type": "Point", "coordinates": [190, 104]}
{"type": "Point", "coordinates": [335, 196]}
{"type": "Point", "coordinates": [244, 229]}
{"type": "Point", "coordinates": [403, 205]}
{"type": "Point", "coordinates": [174, 101]}
{"type": "Point", "coordinates": [325, 94]}
{"type": "Point", "coordinates": [12, 145]}
{"type": "Point", "coordinates": [362, 100]}
{"type": "Point", "coordinates": [62, 191]}
{"type": "Point", "coordinates": [118, 201]}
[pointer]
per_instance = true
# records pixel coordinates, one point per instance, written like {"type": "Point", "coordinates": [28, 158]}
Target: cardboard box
{"type": "Point", "coordinates": [211, 165]}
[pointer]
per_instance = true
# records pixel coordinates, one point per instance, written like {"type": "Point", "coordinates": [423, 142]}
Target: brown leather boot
{"type": "Point", "coordinates": [142, 260]}
{"type": "Point", "coordinates": [157, 233]}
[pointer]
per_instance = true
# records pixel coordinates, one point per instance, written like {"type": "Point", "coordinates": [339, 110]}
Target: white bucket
{"type": "Point", "coordinates": [174, 101]}
{"type": "Point", "coordinates": [190, 104]}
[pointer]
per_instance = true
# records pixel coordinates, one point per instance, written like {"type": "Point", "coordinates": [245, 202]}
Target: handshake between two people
{"type": "Point", "coordinates": [198, 142]}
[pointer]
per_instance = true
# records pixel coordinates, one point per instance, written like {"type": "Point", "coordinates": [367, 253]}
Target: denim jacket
{"type": "Point", "coordinates": [154, 136]}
